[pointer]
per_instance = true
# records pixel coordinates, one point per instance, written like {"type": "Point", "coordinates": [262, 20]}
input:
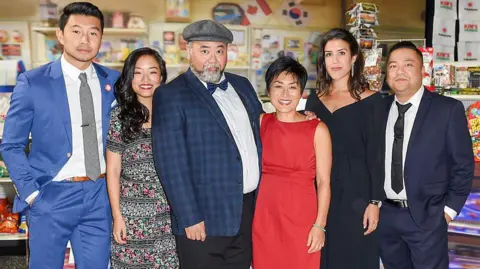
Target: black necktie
{"type": "Point", "coordinates": [212, 86]}
{"type": "Point", "coordinates": [397, 152]}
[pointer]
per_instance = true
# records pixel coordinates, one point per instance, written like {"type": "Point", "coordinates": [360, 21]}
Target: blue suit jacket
{"type": "Point", "coordinates": [39, 106]}
{"type": "Point", "coordinates": [439, 163]}
{"type": "Point", "coordinates": [196, 156]}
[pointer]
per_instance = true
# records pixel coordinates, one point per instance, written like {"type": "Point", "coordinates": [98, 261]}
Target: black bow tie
{"type": "Point", "coordinates": [213, 86]}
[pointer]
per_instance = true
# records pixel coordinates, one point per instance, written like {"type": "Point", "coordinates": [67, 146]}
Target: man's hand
{"type": "Point", "coordinates": [447, 218]}
{"type": "Point", "coordinates": [196, 232]}
{"type": "Point", "coordinates": [310, 115]}
{"type": "Point", "coordinates": [370, 218]}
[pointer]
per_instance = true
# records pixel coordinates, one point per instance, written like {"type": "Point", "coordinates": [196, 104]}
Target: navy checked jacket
{"type": "Point", "coordinates": [196, 157]}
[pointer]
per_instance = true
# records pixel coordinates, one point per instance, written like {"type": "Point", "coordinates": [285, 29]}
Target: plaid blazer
{"type": "Point", "coordinates": [195, 154]}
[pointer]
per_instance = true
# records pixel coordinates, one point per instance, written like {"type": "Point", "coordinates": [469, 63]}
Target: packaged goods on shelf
{"type": "Point", "coordinates": [468, 220]}
{"type": "Point", "coordinates": [373, 69]}
{"type": "Point", "coordinates": [457, 77]}
{"type": "Point", "coordinates": [8, 220]}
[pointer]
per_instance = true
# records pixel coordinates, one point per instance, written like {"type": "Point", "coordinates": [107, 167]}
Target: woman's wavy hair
{"type": "Point", "coordinates": [357, 82]}
{"type": "Point", "coordinates": [133, 114]}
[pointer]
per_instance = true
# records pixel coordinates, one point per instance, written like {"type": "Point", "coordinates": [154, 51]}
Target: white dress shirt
{"type": "Point", "coordinates": [408, 126]}
{"type": "Point", "coordinates": [75, 165]}
{"type": "Point", "coordinates": [239, 124]}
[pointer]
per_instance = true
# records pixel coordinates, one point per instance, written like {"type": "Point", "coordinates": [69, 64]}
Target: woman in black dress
{"type": "Point", "coordinates": [343, 101]}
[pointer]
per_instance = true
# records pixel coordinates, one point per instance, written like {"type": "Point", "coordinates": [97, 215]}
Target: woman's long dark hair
{"type": "Point", "coordinates": [133, 114]}
{"type": "Point", "coordinates": [357, 83]}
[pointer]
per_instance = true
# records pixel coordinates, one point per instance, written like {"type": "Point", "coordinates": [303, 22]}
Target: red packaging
{"type": "Point", "coordinates": [428, 65]}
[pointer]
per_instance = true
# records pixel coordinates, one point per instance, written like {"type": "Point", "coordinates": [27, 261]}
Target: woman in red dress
{"type": "Point", "coordinates": [294, 193]}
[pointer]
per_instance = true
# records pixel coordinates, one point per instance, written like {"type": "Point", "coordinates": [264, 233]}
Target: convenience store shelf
{"type": "Point", "coordinates": [464, 97]}
{"type": "Point", "coordinates": [50, 31]}
{"type": "Point", "coordinates": [11, 237]}
{"type": "Point", "coordinates": [5, 180]}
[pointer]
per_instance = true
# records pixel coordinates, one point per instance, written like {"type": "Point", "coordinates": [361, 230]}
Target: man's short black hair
{"type": "Point", "coordinates": [80, 8]}
{"type": "Point", "coordinates": [405, 45]}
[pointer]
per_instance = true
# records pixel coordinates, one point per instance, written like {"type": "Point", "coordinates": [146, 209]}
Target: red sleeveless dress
{"type": "Point", "coordinates": [286, 206]}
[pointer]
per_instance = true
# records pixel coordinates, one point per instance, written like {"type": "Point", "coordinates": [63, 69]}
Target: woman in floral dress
{"type": "Point", "coordinates": [142, 237]}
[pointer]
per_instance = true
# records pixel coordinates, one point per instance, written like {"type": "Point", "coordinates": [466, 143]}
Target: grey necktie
{"type": "Point", "coordinates": [89, 129]}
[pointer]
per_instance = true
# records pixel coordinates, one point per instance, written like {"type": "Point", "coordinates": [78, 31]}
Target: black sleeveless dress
{"type": "Point", "coordinates": [355, 150]}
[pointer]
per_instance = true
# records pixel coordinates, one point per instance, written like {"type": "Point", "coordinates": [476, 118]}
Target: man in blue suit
{"type": "Point", "coordinates": [65, 106]}
{"type": "Point", "coordinates": [207, 151]}
{"type": "Point", "coordinates": [428, 164]}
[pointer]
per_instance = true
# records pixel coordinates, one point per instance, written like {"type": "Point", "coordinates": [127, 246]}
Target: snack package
{"type": "Point", "coordinates": [373, 59]}
{"type": "Point", "coordinates": [363, 32]}
{"type": "Point", "coordinates": [474, 77]}
{"type": "Point", "coordinates": [462, 76]}
{"type": "Point", "coordinates": [373, 70]}
{"type": "Point", "coordinates": [473, 118]}
{"type": "Point", "coordinates": [428, 65]}
{"type": "Point", "coordinates": [9, 224]}
{"type": "Point", "coordinates": [3, 207]}
{"type": "Point", "coordinates": [362, 7]}
{"type": "Point", "coordinates": [366, 43]}
{"type": "Point", "coordinates": [8, 220]}
{"type": "Point", "coordinates": [443, 76]}
{"type": "Point", "coordinates": [23, 228]}
{"type": "Point", "coordinates": [363, 19]}
{"type": "Point", "coordinates": [377, 84]}
{"type": "Point", "coordinates": [3, 172]}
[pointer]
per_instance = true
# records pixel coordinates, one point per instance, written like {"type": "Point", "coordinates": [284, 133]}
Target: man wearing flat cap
{"type": "Point", "coordinates": [207, 150]}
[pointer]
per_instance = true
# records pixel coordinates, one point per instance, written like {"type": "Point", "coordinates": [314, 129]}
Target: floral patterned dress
{"type": "Point", "coordinates": [150, 243]}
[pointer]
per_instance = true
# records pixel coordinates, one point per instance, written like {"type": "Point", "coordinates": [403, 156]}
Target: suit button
{"type": "Point", "coordinates": [69, 155]}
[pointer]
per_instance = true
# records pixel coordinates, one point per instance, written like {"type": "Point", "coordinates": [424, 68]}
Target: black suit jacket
{"type": "Point", "coordinates": [439, 161]}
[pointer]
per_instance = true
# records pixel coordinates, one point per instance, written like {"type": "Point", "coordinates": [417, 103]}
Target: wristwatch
{"type": "Point", "coordinates": [375, 202]}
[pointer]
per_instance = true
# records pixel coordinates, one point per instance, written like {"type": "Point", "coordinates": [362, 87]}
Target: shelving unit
{"type": "Point", "coordinates": [7, 184]}
{"type": "Point", "coordinates": [465, 231]}
{"type": "Point", "coordinates": [40, 33]}
{"type": "Point", "coordinates": [464, 97]}
{"type": "Point", "coordinates": [7, 236]}
{"type": "Point", "coordinates": [11, 237]}
{"type": "Point", "coordinates": [49, 31]}
{"type": "Point", "coordinates": [5, 180]}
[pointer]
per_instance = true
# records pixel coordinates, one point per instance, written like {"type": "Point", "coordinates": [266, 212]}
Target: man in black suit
{"type": "Point", "coordinates": [428, 165]}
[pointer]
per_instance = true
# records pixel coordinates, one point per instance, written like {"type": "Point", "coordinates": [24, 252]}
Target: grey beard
{"type": "Point", "coordinates": [207, 76]}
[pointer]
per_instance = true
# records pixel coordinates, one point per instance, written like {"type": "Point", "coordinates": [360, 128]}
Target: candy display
{"type": "Point", "coordinates": [456, 78]}
{"type": "Point", "coordinates": [8, 220]}
{"type": "Point", "coordinates": [473, 118]}
{"type": "Point", "coordinates": [373, 69]}
{"type": "Point", "coordinates": [468, 220]}
{"type": "Point", "coordinates": [362, 17]}
{"type": "Point", "coordinates": [464, 257]}
{"type": "Point", "coordinates": [3, 170]}
{"type": "Point", "coordinates": [23, 228]}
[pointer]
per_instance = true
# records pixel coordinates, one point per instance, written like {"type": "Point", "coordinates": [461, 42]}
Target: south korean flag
{"type": "Point", "coordinates": [294, 13]}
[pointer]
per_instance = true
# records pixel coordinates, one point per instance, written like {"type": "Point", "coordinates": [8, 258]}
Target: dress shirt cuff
{"type": "Point", "coordinates": [31, 197]}
{"type": "Point", "coordinates": [450, 212]}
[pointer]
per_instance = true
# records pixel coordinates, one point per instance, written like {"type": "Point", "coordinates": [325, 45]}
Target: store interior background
{"type": "Point", "coordinates": [397, 20]}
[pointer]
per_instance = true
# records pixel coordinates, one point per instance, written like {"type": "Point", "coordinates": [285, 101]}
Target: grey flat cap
{"type": "Point", "coordinates": [207, 30]}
